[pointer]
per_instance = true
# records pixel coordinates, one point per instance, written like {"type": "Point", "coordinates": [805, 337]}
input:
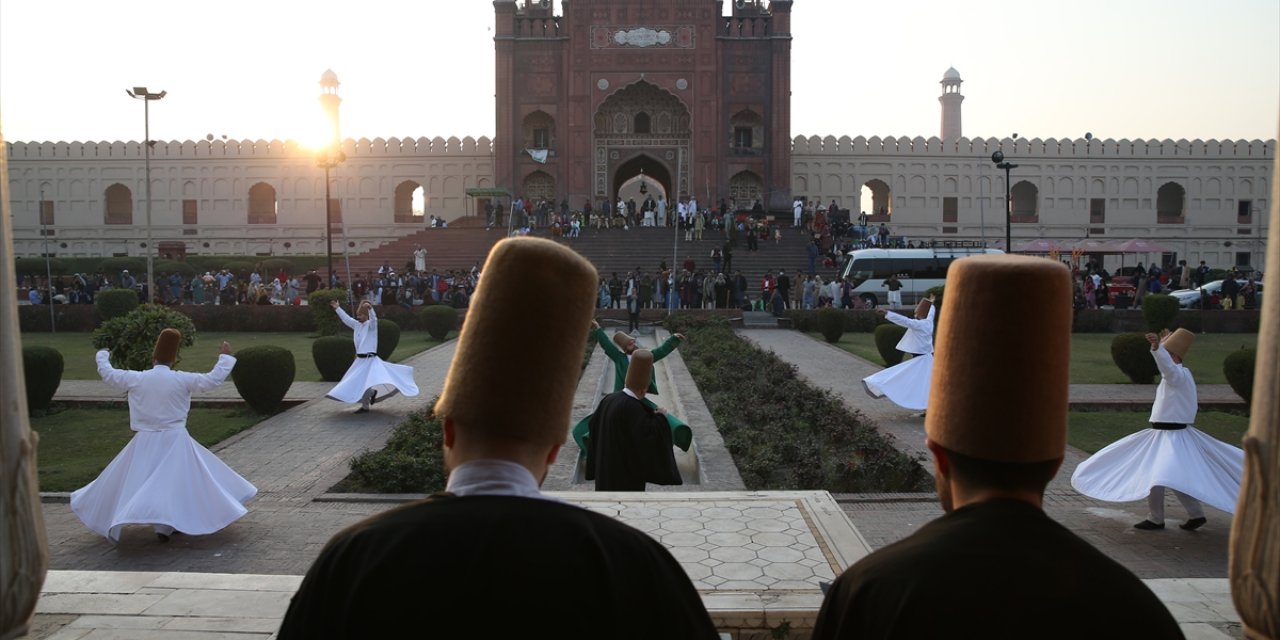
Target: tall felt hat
{"type": "Point", "coordinates": [922, 309]}
{"type": "Point", "coordinates": [623, 340]}
{"type": "Point", "coordinates": [1000, 383]}
{"type": "Point", "coordinates": [166, 351]}
{"type": "Point", "coordinates": [1179, 342]}
{"type": "Point", "coordinates": [640, 371]}
{"type": "Point", "coordinates": [502, 384]}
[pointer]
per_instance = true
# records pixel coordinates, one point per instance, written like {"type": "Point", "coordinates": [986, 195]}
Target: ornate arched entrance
{"type": "Point", "coordinates": [641, 170]}
{"type": "Point", "coordinates": [641, 127]}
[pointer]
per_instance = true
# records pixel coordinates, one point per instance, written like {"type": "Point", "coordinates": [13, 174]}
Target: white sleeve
{"type": "Point", "coordinates": [352, 323]}
{"type": "Point", "coordinates": [119, 378]}
{"type": "Point", "coordinates": [215, 377]}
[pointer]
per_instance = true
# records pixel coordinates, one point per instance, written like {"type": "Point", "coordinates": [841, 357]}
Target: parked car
{"type": "Point", "coordinates": [1212, 292]}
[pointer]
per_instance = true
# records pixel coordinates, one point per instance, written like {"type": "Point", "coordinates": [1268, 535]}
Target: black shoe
{"type": "Point", "coordinates": [1147, 525]}
{"type": "Point", "coordinates": [162, 537]}
{"type": "Point", "coordinates": [1193, 524]}
{"type": "Point", "coordinates": [362, 410]}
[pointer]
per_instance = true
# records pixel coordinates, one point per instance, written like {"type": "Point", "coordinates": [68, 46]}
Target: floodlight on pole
{"type": "Point", "coordinates": [147, 97]}
{"type": "Point", "coordinates": [998, 158]}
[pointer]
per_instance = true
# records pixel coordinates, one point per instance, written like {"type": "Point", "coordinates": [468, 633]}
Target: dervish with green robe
{"type": "Point", "coordinates": [681, 434]}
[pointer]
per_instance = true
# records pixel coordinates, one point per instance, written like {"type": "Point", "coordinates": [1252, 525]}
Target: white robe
{"type": "Point", "coordinates": [907, 383]}
{"type": "Point", "coordinates": [371, 372]}
{"type": "Point", "coordinates": [162, 477]}
{"type": "Point", "coordinates": [1186, 460]}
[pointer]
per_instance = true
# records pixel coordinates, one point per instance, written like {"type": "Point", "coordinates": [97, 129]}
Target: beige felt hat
{"type": "Point", "coordinates": [1179, 342]}
{"type": "Point", "coordinates": [480, 393]}
{"type": "Point", "coordinates": [166, 350]}
{"type": "Point", "coordinates": [1000, 382]}
{"type": "Point", "coordinates": [623, 340]}
{"type": "Point", "coordinates": [922, 309]}
{"type": "Point", "coordinates": [640, 371]}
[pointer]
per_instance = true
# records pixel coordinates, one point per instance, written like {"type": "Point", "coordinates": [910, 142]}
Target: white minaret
{"type": "Point", "coordinates": [951, 100]}
{"type": "Point", "coordinates": [329, 100]}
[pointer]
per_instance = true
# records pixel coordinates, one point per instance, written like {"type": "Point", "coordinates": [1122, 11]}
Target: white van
{"type": "Point", "coordinates": [918, 269]}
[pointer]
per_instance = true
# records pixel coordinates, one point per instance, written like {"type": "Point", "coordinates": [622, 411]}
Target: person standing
{"type": "Point", "coordinates": [419, 259]}
{"type": "Point", "coordinates": [628, 440]}
{"type": "Point", "coordinates": [995, 565]}
{"type": "Point", "coordinates": [1171, 453]}
{"type": "Point", "coordinates": [895, 290]}
{"type": "Point", "coordinates": [369, 380]}
{"type": "Point", "coordinates": [163, 477]}
{"type": "Point", "coordinates": [797, 211]}
{"type": "Point", "coordinates": [492, 539]}
{"type": "Point", "coordinates": [907, 383]}
{"type": "Point", "coordinates": [784, 288]}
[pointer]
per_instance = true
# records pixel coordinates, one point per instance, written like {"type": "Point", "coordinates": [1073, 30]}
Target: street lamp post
{"type": "Point", "coordinates": [146, 97]}
{"type": "Point", "coordinates": [329, 158]}
{"type": "Point", "coordinates": [998, 158]}
{"type": "Point", "coordinates": [48, 270]}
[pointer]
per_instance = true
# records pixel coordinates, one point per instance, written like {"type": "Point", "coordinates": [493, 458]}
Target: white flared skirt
{"type": "Point", "coordinates": [386, 378]}
{"type": "Point", "coordinates": [906, 383]}
{"type": "Point", "coordinates": [1188, 460]}
{"type": "Point", "coordinates": [163, 478]}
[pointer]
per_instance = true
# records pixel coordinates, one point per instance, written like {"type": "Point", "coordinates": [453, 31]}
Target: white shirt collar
{"type": "Point", "coordinates": [492, 477]}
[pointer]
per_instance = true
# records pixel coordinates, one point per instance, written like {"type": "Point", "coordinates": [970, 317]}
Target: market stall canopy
{"type": "Point", "coordinates": [1141, 246]}
{"type": "Point", "coordinates": [1042, 246]}
{"type": "Point", "coordinates": [1095, 246]}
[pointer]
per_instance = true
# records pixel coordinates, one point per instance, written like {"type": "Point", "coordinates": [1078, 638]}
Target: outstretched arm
{"type": "Point", "coordinates": [667, 346]}
{"type": "Point", "coordinates": [118, 378]}
{"type": "Point", "coordinates": [351, 323]}
{"type": "Point", "coordinates": [216, 376]}
{"type": "Point", "coordinates": [610, 349]}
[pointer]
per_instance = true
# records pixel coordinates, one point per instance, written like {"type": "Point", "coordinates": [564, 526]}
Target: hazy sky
{"type": "Point", "coordinates": [1115, 68]}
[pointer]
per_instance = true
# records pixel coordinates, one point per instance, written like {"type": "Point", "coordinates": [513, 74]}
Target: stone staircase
{"type": "Point", "coordinates": [611, 250]}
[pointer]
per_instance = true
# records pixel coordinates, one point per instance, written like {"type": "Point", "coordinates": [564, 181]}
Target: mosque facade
{"type": "Point", "coordinates": [676, 96]}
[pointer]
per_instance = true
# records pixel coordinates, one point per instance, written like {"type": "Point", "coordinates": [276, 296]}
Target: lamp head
{"type": "Point", "coordinates": [997, 157]}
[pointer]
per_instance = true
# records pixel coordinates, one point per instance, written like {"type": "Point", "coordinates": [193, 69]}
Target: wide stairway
{"type": "Point", "coordinates": [465, 244]}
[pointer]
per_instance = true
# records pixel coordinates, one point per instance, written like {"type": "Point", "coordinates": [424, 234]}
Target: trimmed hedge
{"type": "Point", "coordinates": [42, 371]}
{"type": "Point", "coordinates": [115, 303]}
{"type": "Point", "coordinates": [1158, 311]}
{"type": "Point", "coordinates": [388, 338]}
{"type": "Point", "coordinates": [855, 320]}
{"type": "Point", "coordinates": [1132, 353]}
{"type": "Point", "coordinates": [263, 375]}
{"type": "Point", "coordinates": [326, 319]}
{"type": "Point", "coordinates": [831, 324]}
{"type": "Point", "coordinates": [132, 338]}
{"type": "Point", "coordinates": [111, 267]}
{"type": "Point", "coordinates": [173, 266]}
{"type": "Point", "coordinates": [411, 462]}
{"type": "Point", "coordinates": [1238, 368]}
{"type": "Point", "coordinates": [782, 432]}
{"type": "Point", "coordinates": [333, 355]}
{"type": "Point", "coordinates": [271, 267]}
{"type": "Point", "coordinates": [887, 338]}
{"type": "Point", "coordinates": [439, 320]}
{"type": "Point", "coordinates": [37, 267]}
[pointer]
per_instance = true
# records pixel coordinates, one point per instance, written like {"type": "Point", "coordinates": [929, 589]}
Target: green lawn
{"type": "Point", "coordinates": [1090, 431]}
{"type": "Point", "coordinates": [77, 443]}
{"type": "Point", "coordinates": [77, 350]}
{"type": "Point", "coordinates": [1091, 355]}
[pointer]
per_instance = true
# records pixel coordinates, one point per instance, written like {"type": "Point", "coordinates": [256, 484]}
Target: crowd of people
{"type": "Point", "coordinates": [1096, 287]}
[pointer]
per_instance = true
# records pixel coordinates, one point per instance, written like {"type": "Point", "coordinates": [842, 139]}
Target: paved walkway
{"type": "Point", "coordinates": [297, 455]}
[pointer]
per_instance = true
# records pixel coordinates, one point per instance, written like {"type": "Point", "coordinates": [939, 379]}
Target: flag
{"type": "Point", "coordinates": [538, 155]}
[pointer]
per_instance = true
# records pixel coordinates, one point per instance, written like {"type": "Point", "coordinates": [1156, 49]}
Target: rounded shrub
{"type": "Point", "coordinates": [42, 370]}
{"type": "Point", "coordinates": [887, 338]}
{"type": "Point", "coordinates": [115, 303]}
{"type": "Point", "coordinates": [333, 355]}
{"type": "Point", "coordinates": [327, 322]}
{"type": "Point", "coordinates": [388, 338]}
{"type": "Point", "coordinates": [1132, 353]}
{"type": "Point", "coordinates": [1158, 310]}
{"type": "Point", "coordinates": [132, 337]}
{"type": "Point", "coordinates": [262, 375]}
{"type": "Point", "coordinates": [439, 320]}
{"type": "Point", "coordinates": [112, 267]}
{"type": "Point", "coordinates": [1238, 368]}
{"type": "Point", "coordinates": [831, 324]}
{"type": "Point", "coordinates": [272, 266]}
{"type": "Point", "coordinates": [411, 462]}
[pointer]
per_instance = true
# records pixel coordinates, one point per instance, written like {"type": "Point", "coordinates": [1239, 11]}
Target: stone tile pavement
{"type": "Point", "coordinates": [201, 587]}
